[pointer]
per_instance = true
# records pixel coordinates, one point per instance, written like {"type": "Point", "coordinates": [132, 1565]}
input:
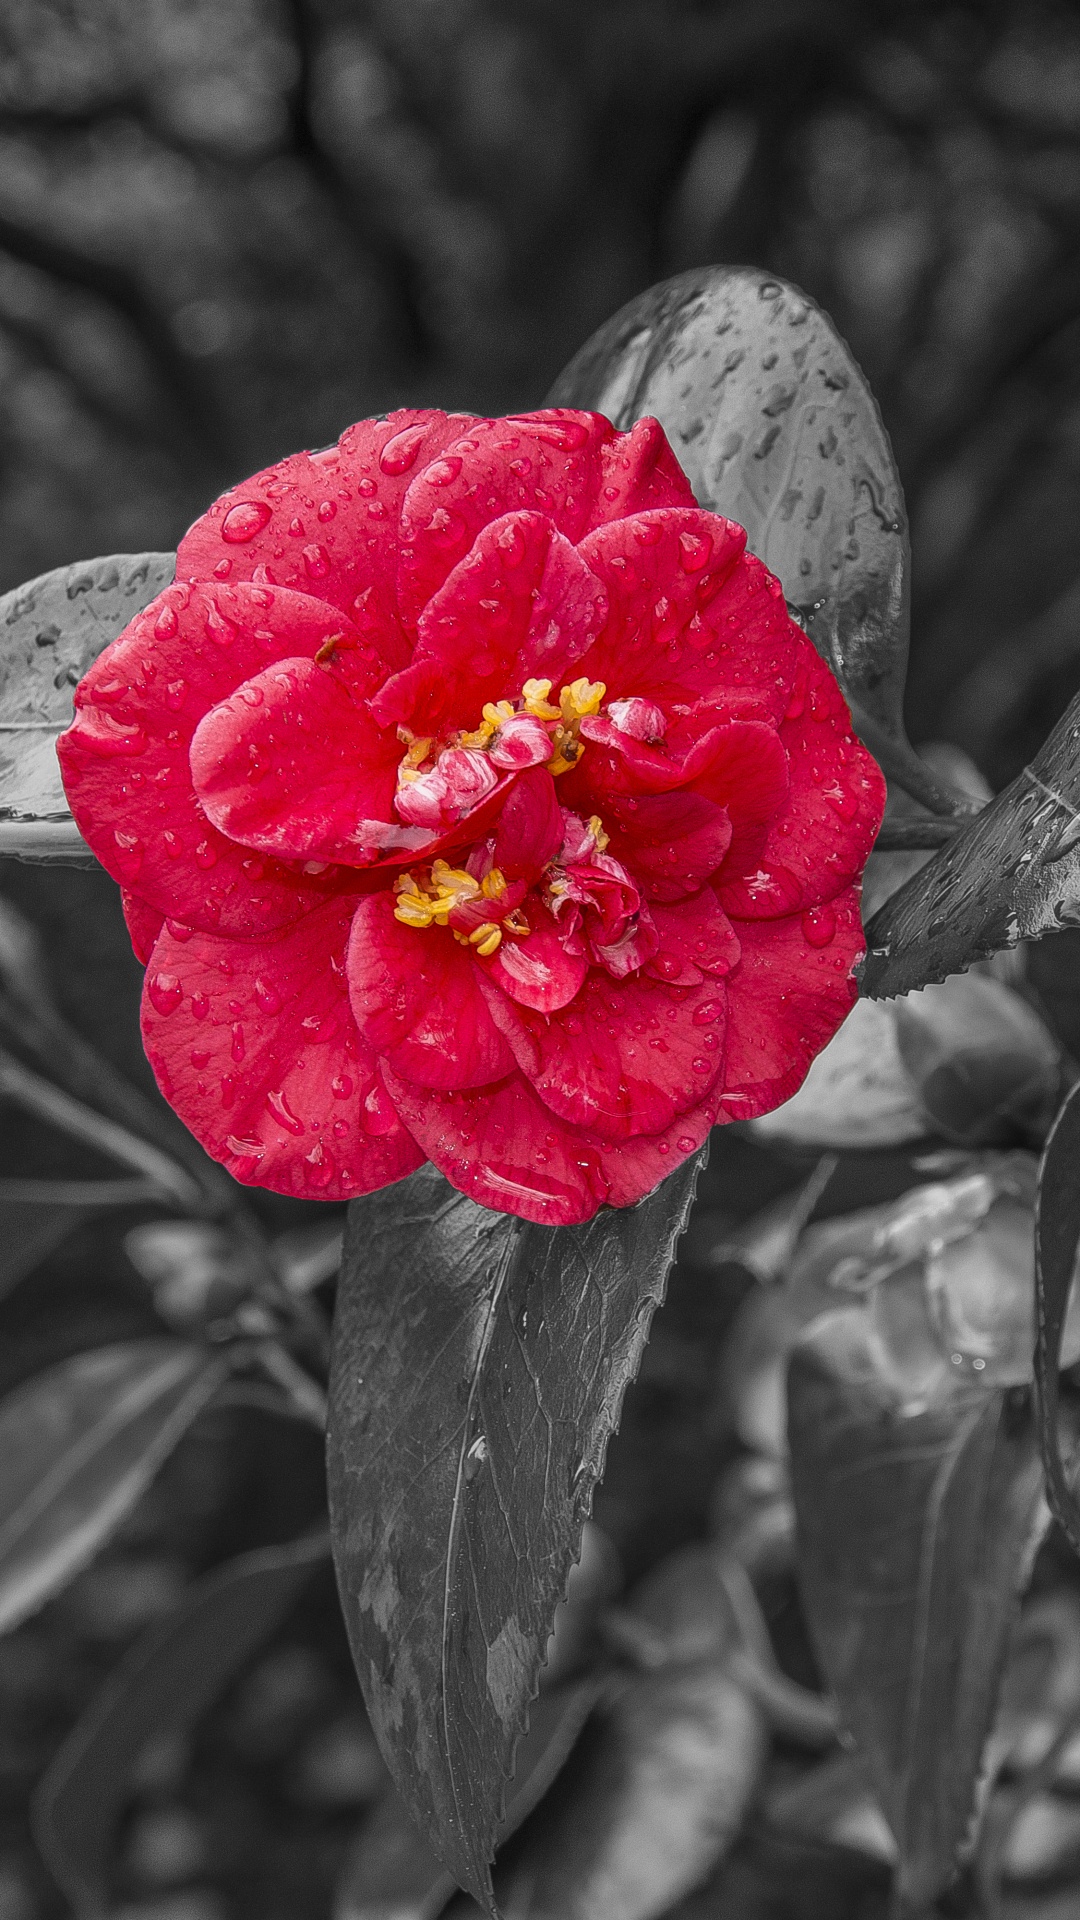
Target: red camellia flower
{"type": "Point", "coordinates": [475, 798]}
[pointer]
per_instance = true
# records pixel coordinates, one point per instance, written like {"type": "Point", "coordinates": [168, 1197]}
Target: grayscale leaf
{"type": "Point", "coordinates": [80, 1443]}
{"type": "Point", "coordinates": [51, 630]}
{"type": "Point", "coordinates": [775, 427]}
{"type": "Point", "coordinates": [478, 1372]}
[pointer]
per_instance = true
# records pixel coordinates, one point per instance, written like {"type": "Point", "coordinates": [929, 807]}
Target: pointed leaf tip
{"type": "Point", "coordinates": [478, 1373]}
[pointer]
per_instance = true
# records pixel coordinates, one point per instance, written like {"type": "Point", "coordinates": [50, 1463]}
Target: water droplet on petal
{"type": "Point", "coordinates": [341, 1087]}
{"type": "Point", "coordinates": [399, 453]}
{"type": "Point", "coordinates": [165, 992]}
{"type": "Point", "coordinates": [205, 854]}
{"type": "Point", "coordinates": [316, 562]}
{"type": "Point", "coordinates": [282, 1112]}
{"type": "Point", "coordinates": [166, 624]}
{"type": "Point", "coordinates": [267, 996]}
{"type": "Point", "coordinates": [819, 926]}
{"type": "Point", "coordinates": [244, 521]}
{"type": "Point", "coordinates": [320, 1167]}
{"type": "Point", "coordinates": [695, 552]}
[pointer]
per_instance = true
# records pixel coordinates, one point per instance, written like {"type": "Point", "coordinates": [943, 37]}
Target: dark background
{"type": "Point", "coordinates": [230, 227]}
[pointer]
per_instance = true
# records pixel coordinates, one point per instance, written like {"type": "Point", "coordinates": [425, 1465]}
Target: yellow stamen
{"type": "Point", "coordinates": [486, 938]}
{"type": "Point", "coordinates": [516, 923]}
{"type": "Point", "coordinates": [496, 711]}
{"type": "Point", "coordinates": [535, 700]}
{"type": "Point", "coordinates": [596, 828]}
{"type": "Point", "coordinates": [493, 885]}
{"type": "Point", "coordinates": [581, 697]}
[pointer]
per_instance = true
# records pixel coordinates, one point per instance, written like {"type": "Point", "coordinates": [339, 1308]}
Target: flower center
{"type": "Point", "coordinates": [439, 782]}
{"type": "Point", "coordinates": [477, 912]}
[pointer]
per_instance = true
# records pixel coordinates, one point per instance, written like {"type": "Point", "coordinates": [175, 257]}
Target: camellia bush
{"type": "Point", "coordinates": [491, 802]}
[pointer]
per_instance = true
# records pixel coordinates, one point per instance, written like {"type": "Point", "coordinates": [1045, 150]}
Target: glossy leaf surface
{"type": "Point", "coordinates": [915, 1510]}
{"type": "Point", "coordinates": [1057, 1238]}
{"type": "Point", "coordinates": [776, 428]}
{"type": "Point", "coordinates": [479, 1368]}
{"type": "Point", "coordinates": [1011, 874]}
{"type": "Point", "coordinates": [79, 1444]}
{"type": "Point", "coordinates": [163, 1686]}
{"type": "Point", "coordinates": [391, 1870]}
{"type": "Point", "coordinates": [50, 631]}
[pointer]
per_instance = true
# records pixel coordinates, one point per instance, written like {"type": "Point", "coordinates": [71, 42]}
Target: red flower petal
{"type": "Point", "coordinates": [255, 1046]}
{"type": "Point", "coordinates": [696, 937]}
{"type": "Point", "coordinates": [417, 998]}
{"type": "Point", "coordinates": [692, 618]}
{"type": "Point", "coordinates": [671, 842]}
{"type": "Point", "coordinates": [786, 998]}
{"type": "Point", "coordinates": [291, 764]}
{"type": "Point", "coordinates": [504, 1149]}
{"type": "Point", "coordinates": [326, 523]}
{"type": "Point", "coordinates": [820, 843]}
{"type": "Point", "coordinates": [143, 922]}
{"type": "Point", "coordinates": [521, 606]}
{"type": "Point", "coordinates": [625, 1056]}
{"type": "Point", "coordinates": [633, 1168]}
{"type": "Point", "coordinates": [537, 971]}
{"type": "Point", "coordinates": [530, 828]}
{"type": "Point", "coordinates": [547, 461]}
{"type": "Point", "coordinates": [639, 472]}
{"type": "Point", "coordinates": [125, 757]}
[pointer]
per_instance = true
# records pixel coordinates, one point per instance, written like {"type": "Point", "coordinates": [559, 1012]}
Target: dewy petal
{"type": "Point", "coordinates": [530, 829]}
{"type": "Point", "coordinates": [326, 523]}
{"type": "Point", "coordinates": [521, 605]}
{"type": "Point", "coordinates": [791, 990]}
{"type": "Point", "coordinates": [417, 1000]}
{"type": "Point", "coordinates": [537, 971]}
{"type": "Point", "coordinates": [820, 842]}
{"type": "Point", "coordinates": [143, 923]}
{"type": "Point", "coordinates": [292, 765]}
{"type": "Point", "coordinates": [639, 472]}
{"type": "Point", "coordinates": [547, 462]}
{"type": "Point", "coordinates": [695, 938]}
{"type": "Point", "coordinates": [692, 618]}
{"type": "Point", "coordinates": [671, 842]}
{"type": "Point", "coordinates": [255, 1046]}
{"type": "Point", "coordinates": [125, 757]}
{"type": "Point", "coordinates": [633, 1168]}
{"type": "Point", "coordinates": [625, 1056]}
{"type": "Point", "coordinates": [504, 1149]}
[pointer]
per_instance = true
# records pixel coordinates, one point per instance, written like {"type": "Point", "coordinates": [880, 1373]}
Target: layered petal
{"type": "Point", "coordinates": [143, 923]}
{"type": "Point", "coordinates": [326, 523]}
{"type": "Point", "coordinates": [521, 605]}
{"type": "Point", "coordinates": [504, 1149]}
{"type": "Point", "coordinates": [692, 618]}
{"type": "Point", "coordinates": [625, 1056]}
{"type": "Point", "coordinates": [639, 472]}
{"type": "Point", "coordinates": [530, 826]}
{"type": "Point", "coordinates": [538, 971]}
{"type": "Point", "coordinates": [418, 1001]}
{"type": "Point", "coordinates": [791, 990]}
{"type": "Point", "coordinates": [125, 757]}
{"type": "Point", "coordinates": [255, 1046]}
{"type": "Point", "coordinates": [821, 841]}
{"type": "Point", "coordinates": [293, 765]}
{"type": "Point", "coordinates": [548, 461]}
{"type": "Point", "coordinates": [672, 842]}
{"type": "Point", "coordinates": [695, 938]}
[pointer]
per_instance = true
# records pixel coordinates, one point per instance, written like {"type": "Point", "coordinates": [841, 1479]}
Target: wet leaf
{"type": "Point", "coordinates": [391, 1873]}
{"type": "Point", "coordinates": [163, 1686]}
{"type": "Point", "coordinates": [1057, 1239]}
{"type": "Point", "coordinates": [51, 630]}
{"type": "Point", "coordinates": [478, 1372]}
{"type": "Point", "coordinates": [776, 427]}
{"type": "Point", "coordinates": [1011, 874]}
{"type": "Point", "coordinates": [915, 1507]}
{"type": "Point", "coordinates": [79, 1444]}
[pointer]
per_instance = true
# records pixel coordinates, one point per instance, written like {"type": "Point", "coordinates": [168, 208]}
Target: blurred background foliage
{"type": "Point", "coordinates": [230, 227]}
